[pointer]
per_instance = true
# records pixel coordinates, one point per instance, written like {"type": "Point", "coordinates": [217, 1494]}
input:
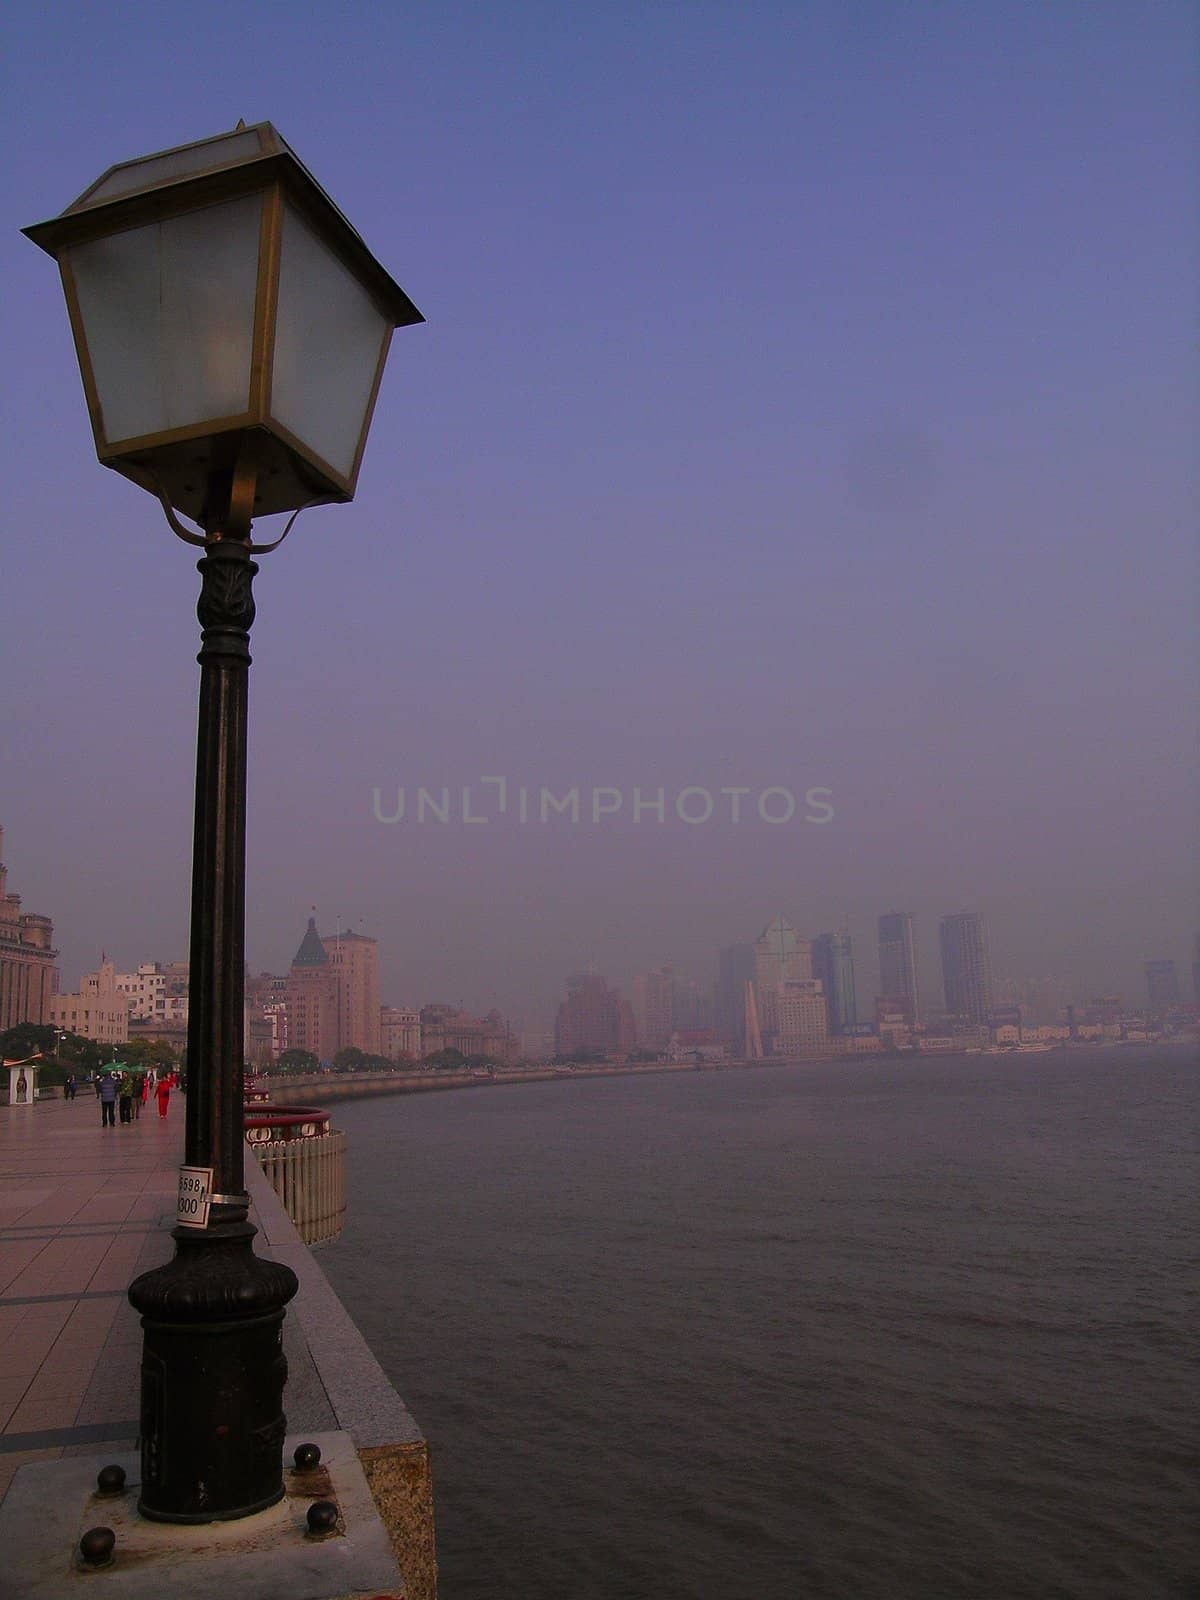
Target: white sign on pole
{"type": "Point", "coordinates": [195, 1196]}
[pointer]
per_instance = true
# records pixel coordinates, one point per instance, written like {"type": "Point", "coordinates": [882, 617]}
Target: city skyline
{"type": "Point", "coordinates": [782, 954]}
{"type": "Point", "coordinates": [805, 405]}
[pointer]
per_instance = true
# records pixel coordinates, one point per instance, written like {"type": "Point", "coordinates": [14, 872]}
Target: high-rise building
{"type": "Point", "coordinates": [593, 1017]}
{"type": "Point", "coordinates": [898, 963]}
{"type": "Point", "coordinates": [801, 1026]}
{"type": "Point", "coordinates": [966, 966]}
{"type": "Point", "coordinates": [354, 962]}
{"type": "Point", "coordinates": [735, 969]}
{"type": "Point", "coordinates": [693, 1004]}
{"type": "Point", "coordinates": [779, 954]}
{"type": "Point", "coordinates": [653, 1000]}
{"type": "Point", "coordinates": [28, 978]}
{"type": "Point", "coordinates": [833, 964]}
{"type": "Point", "coordinates": [1162, 985]}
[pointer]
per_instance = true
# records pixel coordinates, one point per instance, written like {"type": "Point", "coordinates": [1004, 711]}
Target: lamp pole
{"type": "Point", "coordinates": [231, 329]}
{"type": "Point", "coordinates": [213, 1369]}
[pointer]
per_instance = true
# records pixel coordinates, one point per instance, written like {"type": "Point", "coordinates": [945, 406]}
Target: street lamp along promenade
{"type": "Point", "coordinates": [231, 329]}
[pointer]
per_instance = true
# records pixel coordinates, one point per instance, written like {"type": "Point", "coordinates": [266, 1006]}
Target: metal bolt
{"type": "Point", "coordinates": [110, 1479]}
{"type": "Point", "coordinates": [96, 1546]}
{"type": "Point", "coordinates": [307, 1457]}
{"type": "Point", "coordinates": [322, 1517]}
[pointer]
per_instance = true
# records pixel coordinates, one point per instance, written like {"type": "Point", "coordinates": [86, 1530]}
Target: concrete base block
{"type": "Point", "coordinates": [270, 1556]}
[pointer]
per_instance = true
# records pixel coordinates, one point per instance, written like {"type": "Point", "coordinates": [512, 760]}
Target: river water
{"type": "Point", "coordinates": [781, 1333]}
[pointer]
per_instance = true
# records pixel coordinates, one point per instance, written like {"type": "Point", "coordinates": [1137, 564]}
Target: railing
{"type": "Point", "coordinates": [306, 1170]}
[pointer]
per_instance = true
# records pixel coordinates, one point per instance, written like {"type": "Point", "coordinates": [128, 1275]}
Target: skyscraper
{"type": "Point", "coordinates": [593, 1017]}
{"type": "Point", "coordinates": [779, 954]}
{"type": "Point", "coordinates": [654, 1007]}
{"type": "Point", "coordinates": [1162, 985]}
{"type": "Point", "coordinates": [966, 965]}
{"type": "Point", "coordinates": [833, 963]}
{"type": "Point", "coordinates": [898, 962]}
{"type": "Point", "coordinates": [734, 971]}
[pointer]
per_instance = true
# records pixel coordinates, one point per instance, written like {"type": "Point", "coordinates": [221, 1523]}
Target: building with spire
{"type": "Point", "coordinates": [28, 977]}
{"type": "Point", "coordinates": [312, 1000]}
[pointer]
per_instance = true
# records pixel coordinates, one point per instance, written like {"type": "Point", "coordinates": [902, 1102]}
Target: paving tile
{"type": "Point", "coordinates": [17, 1458]}
{"type": "Point", "coordinates": [81, 1212]}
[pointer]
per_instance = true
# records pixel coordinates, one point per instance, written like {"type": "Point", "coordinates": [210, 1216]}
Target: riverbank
{"type": "Point", "coordinates": [328, 1088]}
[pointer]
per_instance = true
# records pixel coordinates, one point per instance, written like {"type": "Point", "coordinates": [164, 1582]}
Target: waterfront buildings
{"type": "Point", "coordinates": [833, 964]}
{"type": "Point", "coordinates": [28, 977]}
{"type": "Point", "coordinates": [966, 966]}
{"type": "Point", "coordinates": [898, 964]}
{"type": "Point", "coordinates": [445, 1027]}
{"type": "Point", "coordinates": [1162, 986]}
{"type": "Point", "coordinates": [593, 1017]}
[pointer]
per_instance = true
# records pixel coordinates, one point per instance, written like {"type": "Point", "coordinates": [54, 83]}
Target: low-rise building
{"type": "Point", "coordinates": [400, 1033]}
{"type": "Point", "coordinates": [28, 976]}
{"type": "Point", "coordinates": [99, 1011]}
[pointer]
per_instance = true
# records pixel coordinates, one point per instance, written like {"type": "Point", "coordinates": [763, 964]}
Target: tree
{"type": "Point", "coordinates": [297, 1061]}
{"type": "Point", "coordinates": [143, 1053]}
{"type": "Point", "coordinates": [448, 1060]}
{"type": "Point", "coordinates": [26, 1039]}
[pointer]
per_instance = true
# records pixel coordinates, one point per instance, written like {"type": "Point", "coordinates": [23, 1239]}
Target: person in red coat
{"type": "Point", "coordinates": [163, 1094]}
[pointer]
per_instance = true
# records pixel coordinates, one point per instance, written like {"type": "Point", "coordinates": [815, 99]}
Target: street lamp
{"type": "Point", "coordinates": [231, 329]}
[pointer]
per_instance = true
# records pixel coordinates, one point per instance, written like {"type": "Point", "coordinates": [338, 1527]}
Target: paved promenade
{"type": "Point", "coordinates": [83, 1209]}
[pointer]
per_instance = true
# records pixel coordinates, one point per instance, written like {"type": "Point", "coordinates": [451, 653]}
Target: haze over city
{"type": "Point", "coordinates": [806, 403]}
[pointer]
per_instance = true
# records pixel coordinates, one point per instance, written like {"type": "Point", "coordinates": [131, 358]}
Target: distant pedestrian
{"type": "Point", "coordinates": [96, 1083]}
{"type": "Point", "coordinates": [163, 1095]}
{"type": "Point", "coordinates": [139, 1079]}
{"type": "Point", "coordinates": [125, 1096]}
{"type": "Point", "coordinates": [107, 1091]}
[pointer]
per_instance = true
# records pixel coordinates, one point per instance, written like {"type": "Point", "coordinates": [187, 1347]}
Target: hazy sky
{"type": "Point", "coordinates": [807, 399]}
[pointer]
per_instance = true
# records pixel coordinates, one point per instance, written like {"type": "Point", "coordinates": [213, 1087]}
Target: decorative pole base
{"type": "Point", "coordinates": [213, 1371]}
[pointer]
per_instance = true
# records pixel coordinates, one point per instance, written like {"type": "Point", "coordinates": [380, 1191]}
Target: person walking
{"type": "Point", "coordinates": [163, 1094]}
{"type": "Point", "coordinates": [108, 1100]}
{"type": "Point", "coordinates": [125, 1095]}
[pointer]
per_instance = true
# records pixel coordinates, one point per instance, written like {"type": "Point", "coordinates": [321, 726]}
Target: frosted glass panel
{"type": "Point", "coordinates": [328, 339]}
{"type": "Point", "coordinates": [168, 312]}
{"type": "Point", "coordinates": [212, 153]}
